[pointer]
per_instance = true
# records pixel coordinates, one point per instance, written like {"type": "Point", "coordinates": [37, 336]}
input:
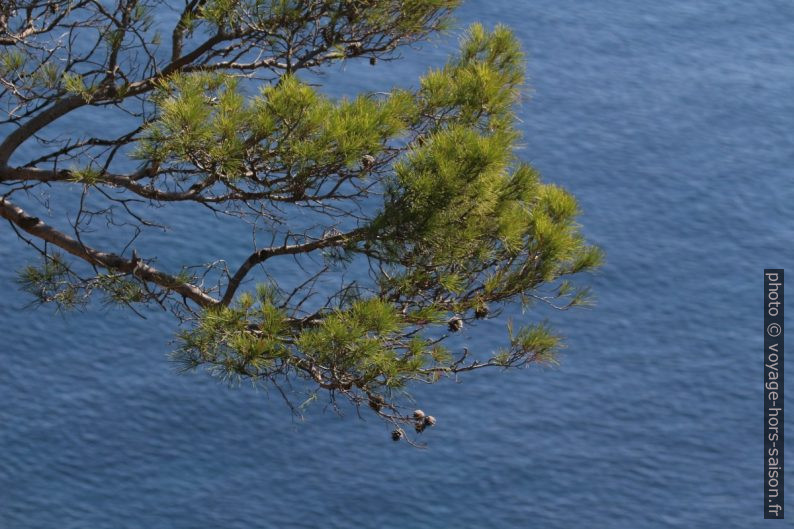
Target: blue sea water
{"type": "Point", "coordinates": [672, 124]}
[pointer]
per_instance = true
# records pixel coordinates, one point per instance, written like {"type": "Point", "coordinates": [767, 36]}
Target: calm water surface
{"type": "Point", "coordinates": [672, 123]}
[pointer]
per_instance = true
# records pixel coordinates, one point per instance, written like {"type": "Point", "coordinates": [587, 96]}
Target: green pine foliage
{"type": "Point", "coordinates": [412, 203]}
{"type": "Point", "coordinates": [464, 225]}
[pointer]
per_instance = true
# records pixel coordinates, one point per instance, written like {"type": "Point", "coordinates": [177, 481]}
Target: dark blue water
{"type": "Point", "coordinates": [672, 123]}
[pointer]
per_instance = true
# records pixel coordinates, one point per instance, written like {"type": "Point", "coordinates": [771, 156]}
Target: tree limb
{"type": "Point", "coordinates": [287, 249]}
{"type": "Point", "coordinates": [36, 227]}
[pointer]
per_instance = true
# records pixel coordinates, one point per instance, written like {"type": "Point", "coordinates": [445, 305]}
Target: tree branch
{"type": "Point", "coordinates": [36, 227]}
{"type": "Point", "coordinates": [36, 123]}
{"type": "Point", "coordinates": [287, 249]}
{"type": "Point", "coordinates": [70, 102]}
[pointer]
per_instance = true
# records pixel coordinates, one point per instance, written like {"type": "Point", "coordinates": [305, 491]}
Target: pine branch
{"type": "Point", "coordinates": [34, 226]}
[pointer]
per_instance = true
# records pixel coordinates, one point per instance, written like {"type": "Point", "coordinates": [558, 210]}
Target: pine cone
{"type": "Point", "coordinates": [367, 161]}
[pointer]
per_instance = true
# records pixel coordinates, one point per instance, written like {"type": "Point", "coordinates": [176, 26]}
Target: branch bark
{"type": "Point", "coordinates": [45, 232]}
